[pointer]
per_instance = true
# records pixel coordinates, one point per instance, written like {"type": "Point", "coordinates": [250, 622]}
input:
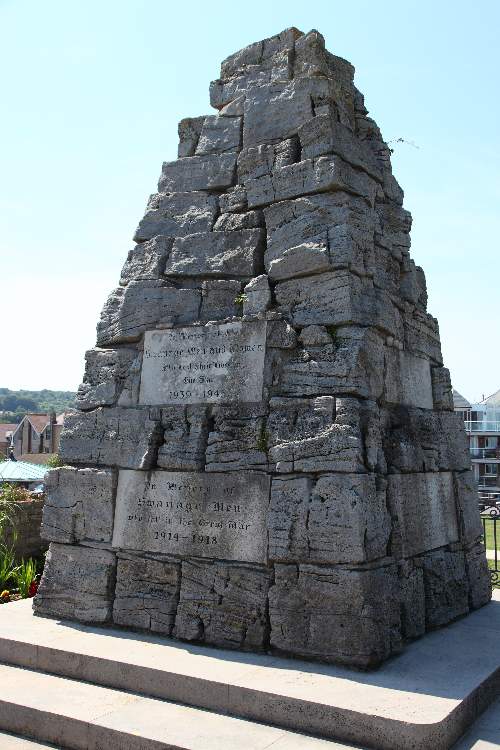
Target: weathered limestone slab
{"type": "Point", "coordinates": [310, 176]}
{"type": "Point", "coordinates": [146, 594]}
{"type": "Point", "coordinates": [223, 605]}
{"type": "Point", "coordinates": [417, 440]}
{"type": "Point", "coordinates": [408, 379]}
{"type": "Point", "coordinates": [131, 310]}
{"type": "Point", "coordinates": [424, 512]}
{"type": "Point", "coordinates": [204, 364]}
{"type": "Point", "coordinates": [258, 64]}
{"type": "Point", "coordinates": [77, 583]}
{"type": "Point", "coordinates": [189, 130]}
{"type": "Point", "coordinates": [470, 524]}
{"type": "Point", "coordinates": [208, 172]}
{"type": "Point", "coordinates": [338, 298]}
{"type": "Point", "coordinates": [106, 371]}
{"type": "Point", "coordinates": [232, 222]}
{"type": "Point", "coordinates": [257, 296]}
{"type": "Point", "coordinates": [79, 505]}
{"type": "Point", "coordinates": [177, 214]}
{"type": "Point", "coordinates": [222, 254]}
{"type": "Point", "coordinates": [336, 614]}
{"type": "Point", "coordinates": [219, 299]}
{"type": "Point", "coordinates": [446, 587]}
{"type": "Point", "coordinates": [193, 514]}
{"type": "Point", "coordinates": [307, 435]}
{"type": "Point", "coordinates": [478, 574]}
{"type": "Point", "coordinates": [421, 335]}
{"type": "Point", "coordinates": [343, 360]}
{"type": "Point", "coordinates": [336, 229]}
{"type": "Point", "coordinates": [185, 438]}
{"type": "Point", "coordinates": [323, 135]}
{"type": "Point", "coordinates": [111, 437]}
{"type": "Point", "coordinates": [441, 389]}
{"type": "Point", "coordinates": [238, 439]}
{"type": "Point", "coordinates": [147, 260]}
{"type": "Point", "coordinates": [219, 134]}
{"type": "Point", "coordinates": [342, 518]}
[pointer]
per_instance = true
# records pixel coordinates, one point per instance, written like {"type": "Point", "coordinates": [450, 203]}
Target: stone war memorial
{"type": "Point", "coordinates": [264, 455]}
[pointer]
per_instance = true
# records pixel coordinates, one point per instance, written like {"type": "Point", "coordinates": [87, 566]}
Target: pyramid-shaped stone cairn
{"type": "Point", "coordinates": [265, 455]}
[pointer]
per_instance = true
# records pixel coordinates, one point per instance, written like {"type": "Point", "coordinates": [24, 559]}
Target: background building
{"type": "Point", "coordinates": [37, 435]}
{"type": "Point", "coordinates": [482, 424]}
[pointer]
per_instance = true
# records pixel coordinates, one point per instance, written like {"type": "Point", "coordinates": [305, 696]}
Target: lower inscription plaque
{"type": "Point", "coordinates": [204, 364]}
{"type": "Point", "coordinates": [190, 514]}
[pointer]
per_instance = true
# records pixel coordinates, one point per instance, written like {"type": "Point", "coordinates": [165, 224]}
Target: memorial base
{"type": "Point", "coordinates": [426, 697]}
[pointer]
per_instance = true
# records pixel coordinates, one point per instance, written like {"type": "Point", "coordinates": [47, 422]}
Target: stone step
{"type": "Point", "coordinates": [15, 742]}
{"type": "Point", "coordinates": [426, 697]}
{"type": "Point", "coordinates": [81, 716]}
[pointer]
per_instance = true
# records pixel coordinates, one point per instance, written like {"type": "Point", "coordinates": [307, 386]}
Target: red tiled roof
{"type": "Point", "coordinates": [39, 421]}
{"type": "Point", "coordinates": [4, 429]}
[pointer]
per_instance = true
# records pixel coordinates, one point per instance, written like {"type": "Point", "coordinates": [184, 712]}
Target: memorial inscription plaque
{"type": "Point", "coordinates": [204, 364]}
{"type": "Point", "coordinates": [220, 516]}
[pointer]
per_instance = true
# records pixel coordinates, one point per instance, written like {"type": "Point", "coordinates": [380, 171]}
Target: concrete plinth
{"type": "Point", "coordinates": [427, 697]}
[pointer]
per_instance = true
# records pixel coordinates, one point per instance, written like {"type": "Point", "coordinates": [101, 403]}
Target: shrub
{"type": "Point", "coordinates": [25, 576]}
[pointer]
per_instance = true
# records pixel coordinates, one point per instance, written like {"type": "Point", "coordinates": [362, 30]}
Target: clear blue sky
{"type": "Point", "coordinates": [92, 92]}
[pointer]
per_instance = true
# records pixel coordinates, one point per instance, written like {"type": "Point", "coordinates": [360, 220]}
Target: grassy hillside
{"type": "Point", "coordinates": [14, 404]}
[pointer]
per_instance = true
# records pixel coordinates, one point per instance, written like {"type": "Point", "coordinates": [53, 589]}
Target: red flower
{"type": "Point", "coordinates": [33, 588]}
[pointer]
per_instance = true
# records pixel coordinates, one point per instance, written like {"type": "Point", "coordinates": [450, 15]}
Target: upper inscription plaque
{"type": "Point", "coordinates": [193, 514]}
{"type": "Point", "coordinates": [204, 364]}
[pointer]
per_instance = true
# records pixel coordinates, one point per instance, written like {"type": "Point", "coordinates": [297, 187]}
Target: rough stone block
{"type": "Point", "coordinates": [189, 130]}
{"type": "Point", "coordinates": [266, 62]}
{"type": "Point", "coordinates": [79, 505]}
{"type": "Point", "coordinates": [446, 587]}
{"type": "Point", "coordinates": [307, 435]}
{"type": "Point", "coordinates": [219, 254]}
{"type": "Point", "coordinates": [407, 379]}
{"type": "Point", "coordinates": [257, 296]}
{"type": "Point", "coordinates": [423, 512]}
{"type": "Point", "coordinates": [147, 260]}
{"type": "Point", "coordinates": [470, 525]}
{"type": "Point", "coordinates": [146, 594]}
{"type": "Point", "coordinates": [77, 584]}
{"type": "Point", "coordinates": [218, 299]}
{"type": "Point", "coordinates": [323, 135]}
{"type": "Point", "coordinates": [106, 371]}
{"type": "Point", "coordinates": [346, 360]}
{"type": "Point", "coordinates": [234, 199]}
{"type": "Point", "coordinates": [238, 438]}
{"type": "Point", "coordinates": [335, 614]}
{"type": "Point", "coordinates": [177, 214]}
{"type": "Point", "coordinates": [112, 437]}
{"type": "Point", "coordinates": [184, 439]}
{"type": "Point", "coordinates": [442, 390]}
{"type": "Point", "coordinates": [310, 176]}
{"type": "Point", "coordinates": [223, 605]}
{"type": "Point", "coordinates": [337, 298]}
{"type": "Point", "coordinates": [275, 111]}
{"type": "Point", "coordinates": [421, 335]}
{"type": "Point", "coordinates": [479, 577]}
{"type": "Point", "coordinates": [207, 172]}
{"type": "Point", "coordinates": [219, 134]}
{"type": "Point", "coordinates": [412, 597]}
{"type": "Point", "coordinates": [417, 440]}
{"type": "Point", "coordinates": [342, 518]}
{"type": "Point", "coordinates": [131, 310]}
{"type": "Point", "coordinates": [336, 229]}
{"type": "Point", "coordinates": [230, 222]}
